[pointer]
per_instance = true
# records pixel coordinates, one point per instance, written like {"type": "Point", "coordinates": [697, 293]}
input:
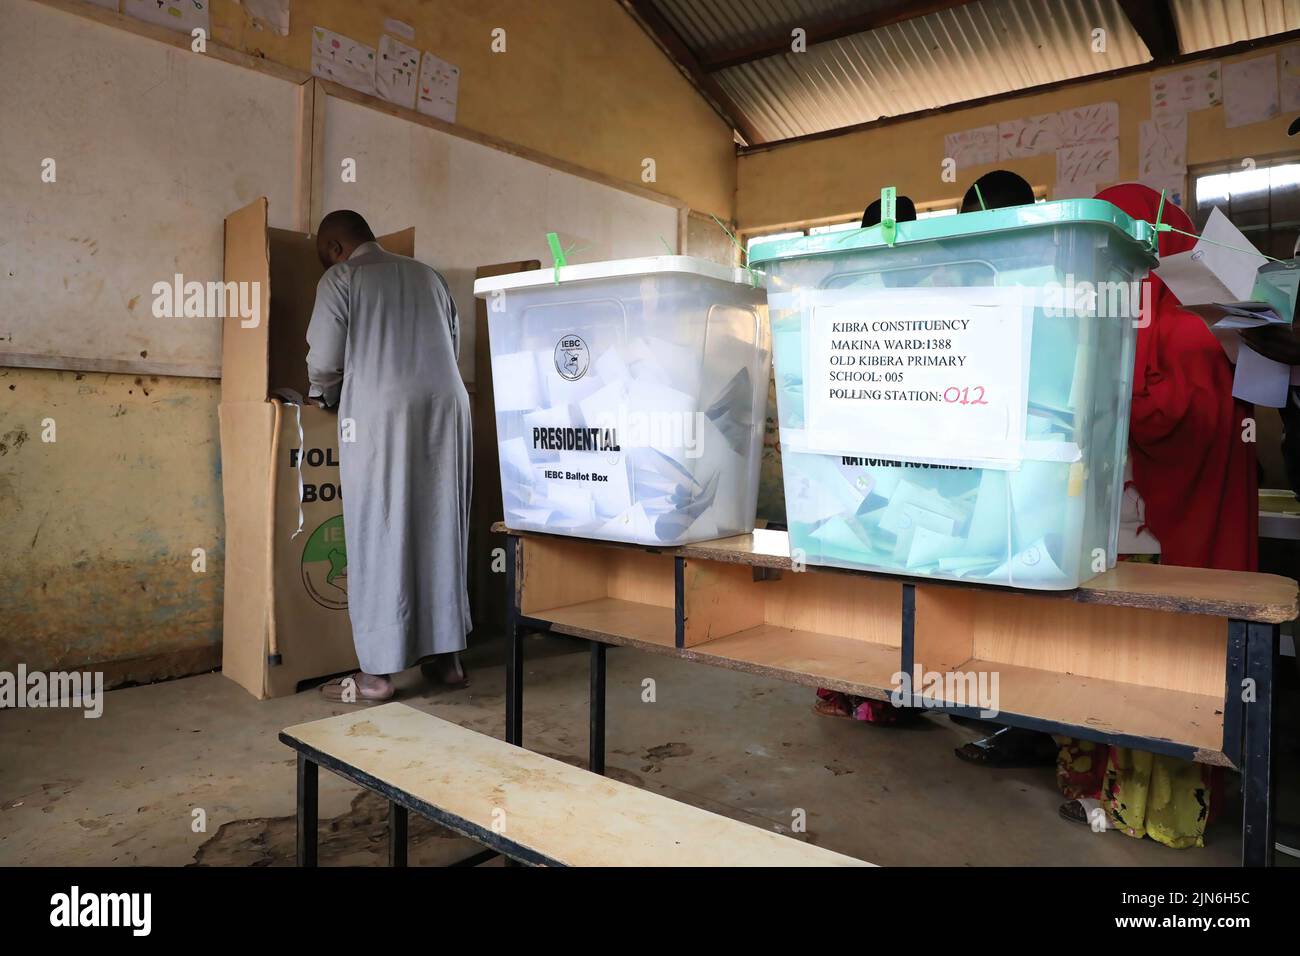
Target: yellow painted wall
{"type": "Point", "coordinates": [839, 176]}
{"type": "Point", "coordinates": [579, 80]}
{"type": "Point", "coordinates": [97, 527]}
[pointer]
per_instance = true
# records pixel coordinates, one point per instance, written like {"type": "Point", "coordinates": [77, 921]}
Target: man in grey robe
{"type": "Point", "coordinates": [384, 338]}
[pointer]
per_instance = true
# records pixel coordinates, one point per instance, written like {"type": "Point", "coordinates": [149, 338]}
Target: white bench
{"type": "Point", "coordinates": [522, 805]}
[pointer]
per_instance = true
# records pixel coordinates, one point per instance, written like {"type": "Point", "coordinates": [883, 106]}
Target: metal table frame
{"type": "Point", "coordinates": [1252, 653]}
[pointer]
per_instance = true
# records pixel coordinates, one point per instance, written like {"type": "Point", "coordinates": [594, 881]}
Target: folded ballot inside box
{"type": "Point", "coordinates": [630, 397]}
{"type": "Point", "coordinates": [954, 397]}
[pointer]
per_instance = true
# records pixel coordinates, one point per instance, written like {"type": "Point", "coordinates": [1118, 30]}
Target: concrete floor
{"type": "Point", "coordinates": [122, 789]}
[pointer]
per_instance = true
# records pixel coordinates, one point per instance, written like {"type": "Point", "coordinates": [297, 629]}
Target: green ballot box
{"type": "Point", "coordinates": [954, 392]}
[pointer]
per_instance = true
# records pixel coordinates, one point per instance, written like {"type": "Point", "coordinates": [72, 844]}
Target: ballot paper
{"type": "Point", "coordinates": [1234, 289]}
{"type": "Point", "coordinates": [1260, 380]}
{"type": "Point", "coordinates": [1034, 566]}
{"type": "Point", "coordinates": [1221, 268]}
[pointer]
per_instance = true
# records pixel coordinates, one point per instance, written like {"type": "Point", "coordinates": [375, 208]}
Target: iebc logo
{"type": "Point", "coordinates": [571, 358]}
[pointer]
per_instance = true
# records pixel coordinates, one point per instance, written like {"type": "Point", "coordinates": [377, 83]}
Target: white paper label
{"type": "Point", "coordinates": [929, 375]}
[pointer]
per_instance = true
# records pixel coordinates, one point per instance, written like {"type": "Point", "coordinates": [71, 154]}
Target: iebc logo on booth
{"type": "Point", "coordinates": [325, 565]}
{"type": "Point", "coordinates": [572, 358]}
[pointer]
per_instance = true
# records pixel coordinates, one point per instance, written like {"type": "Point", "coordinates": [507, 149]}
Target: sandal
{"type": "Point", "coordinates": [334, 691]}
{"type": "Point", "coordinates": [1009, 748]}
{"type": "Point", "coordinates": [434, 675]}
{"type": "Point", "coordinates": [834, 707]}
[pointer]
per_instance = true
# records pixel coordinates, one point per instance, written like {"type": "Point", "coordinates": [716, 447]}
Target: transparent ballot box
{"type": "Point", "coordinates": [954, 399]}
{"type": "Point", "coordinates": [630, 397]}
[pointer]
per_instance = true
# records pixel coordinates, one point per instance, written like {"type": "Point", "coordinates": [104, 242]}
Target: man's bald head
{"type": "Point", "coordinates": [339, 233]}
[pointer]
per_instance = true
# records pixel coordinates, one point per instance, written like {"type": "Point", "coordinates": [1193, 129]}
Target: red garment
{"type": "Point", "coordinates": [1194, 472]}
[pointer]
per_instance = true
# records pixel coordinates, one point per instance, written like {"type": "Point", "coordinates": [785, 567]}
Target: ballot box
{"type": "Point", "coordinates": [285, 616]}
{"type": "Point", "coordinates": [630, 397]}
{"type": "Point", "coordinates": [954, 398]}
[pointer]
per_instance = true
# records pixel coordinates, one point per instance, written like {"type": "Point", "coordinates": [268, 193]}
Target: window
{"type": "Point", "coordinates": [768, 237]}
{"type": "Point", "coordinates": [1263, 201]}
{"type": "Point", "coordinates": [836, 227]}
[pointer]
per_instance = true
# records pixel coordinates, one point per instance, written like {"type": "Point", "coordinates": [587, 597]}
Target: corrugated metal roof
{"type": "Point", "coordinates": [971, 50]}
{"type": "Point", "coordinates": [1206, 24]}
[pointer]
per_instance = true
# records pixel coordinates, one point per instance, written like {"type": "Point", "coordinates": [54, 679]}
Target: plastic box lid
{"type": "Point", "coordinates": [616, 268]}
{"type": "Point", "coordinates": [1064, 213]}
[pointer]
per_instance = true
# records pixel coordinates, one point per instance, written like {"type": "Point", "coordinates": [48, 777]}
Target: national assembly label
{"type": "Point", "coordinates": [935, 375]}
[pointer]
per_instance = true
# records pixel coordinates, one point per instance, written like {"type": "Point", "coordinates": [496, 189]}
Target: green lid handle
{"type": "Point", "coordinates": [557, 253]}
{"type": "Point", "coordinates": [889, 214]}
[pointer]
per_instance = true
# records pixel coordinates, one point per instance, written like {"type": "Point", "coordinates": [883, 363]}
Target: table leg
{"type": "Point", "coordinates": [397, 831]}
{"type": "Point", "coordinates": [308, 806]}
{"type": "Point", "coordinates": [514, 651]}
{"type": "Point", "coordinates": [596, 737]}
{"type": "Point", "coordinates": [1257, 751]}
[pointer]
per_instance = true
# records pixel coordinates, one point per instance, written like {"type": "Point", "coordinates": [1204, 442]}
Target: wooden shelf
{"type": "Point", "coordinates": [1246, 596]}
{"type": "Point", "coordinates": [805, 657]}
{"type": "Point", "coordinates": [1109, 707]}
{"type": "Point", "coordinates": [634, 622]}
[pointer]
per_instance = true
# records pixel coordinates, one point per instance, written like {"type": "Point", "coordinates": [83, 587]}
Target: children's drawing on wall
{"type": "Point", "coordinates": [439, 88]}
{"type": "Point", "coordinates": [397, 72]}
{"type": "Point", "coordinates": [1183, 91]}
{"type": "Point", "coordinates": [1250, 91]}
{"type": "Point", "coordinates": [972, 147]}
{"type": "Point", "coordinates": [1031, 136]}
{"type": "Point", "coordinates": [1090, 163]}
{"type": "Point", "coordinates": [343, 60]}
{"type": "Point", "coordinates": [182, 15]}
{"type": "Point", "coordinates": [270, 14]}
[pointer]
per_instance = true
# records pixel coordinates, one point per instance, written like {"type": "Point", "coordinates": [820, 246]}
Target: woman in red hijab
{"type": "Point", "coordinates": [1195, 473]}
{"type": "Point", "coordinates": [1191, 466]}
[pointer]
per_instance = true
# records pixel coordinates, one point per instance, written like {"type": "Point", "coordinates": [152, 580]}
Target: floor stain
{"type": "Point", "coordinates": [358, 837]}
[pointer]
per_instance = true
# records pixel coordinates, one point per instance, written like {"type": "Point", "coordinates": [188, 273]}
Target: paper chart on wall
{"type": "Point", "coordinates": [1250, 91]}
{"type": "Point", "coordinates": [397, 72]}
{"type": "Point", "coordinates": [1193, 88]}
{"type": "Point", "coordinates": [182, 15]}
{"type": "Point", "coordinates": [439, 88]}
{"type": "Point", "coordinates": [1162, 146]}
{"type": "Point", "coordinates": [1095, 123]}
{"type": "Point", "coordinates": [1171, 184]}
{"type": "Point", "coordinates": [343, 60]}
{"type": "Point", "coordinates": [972, 147]}
{"type": "Point", "coordinates": [1031, 136]}
{"type": "Point", "coordinates": [1089, 163]}
{"type": "Point", "coordinates": [273, 13]}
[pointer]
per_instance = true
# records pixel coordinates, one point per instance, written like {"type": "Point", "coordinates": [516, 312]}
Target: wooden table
{"type": "Point", "coordinates": [1176, 661]}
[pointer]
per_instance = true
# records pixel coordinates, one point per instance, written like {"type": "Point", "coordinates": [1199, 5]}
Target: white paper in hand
{"type": "Point", "coordinates": [1221, 268]}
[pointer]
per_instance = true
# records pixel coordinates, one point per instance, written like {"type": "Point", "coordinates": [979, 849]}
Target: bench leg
{"type": "Point", "coordinates": [596, 738]}
{"type": "Point", "coordinates": [308, 805]}
{"type": "Point", "coordinates": [1257, 752]}
{"type": "Point", "coordinates": [397, 821]}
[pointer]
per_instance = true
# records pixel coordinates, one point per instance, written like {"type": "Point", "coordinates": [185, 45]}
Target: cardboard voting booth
{"type": "Point", "coordinates": [285, 615]}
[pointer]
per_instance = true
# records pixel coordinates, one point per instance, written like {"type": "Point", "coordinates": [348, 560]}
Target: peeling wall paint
{"type": "Point", "coordinates": [97, 527]}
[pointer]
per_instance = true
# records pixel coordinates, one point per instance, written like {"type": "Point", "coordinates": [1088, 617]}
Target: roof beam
{"type": "Point", "coordinates": [779, 41]}
{"type": "Point", "coordinates": [1243, 46]}
{"type": "Point", "coordinates": [657, 25]}
{"type": "Point", "coordinates": [1154, 22]}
